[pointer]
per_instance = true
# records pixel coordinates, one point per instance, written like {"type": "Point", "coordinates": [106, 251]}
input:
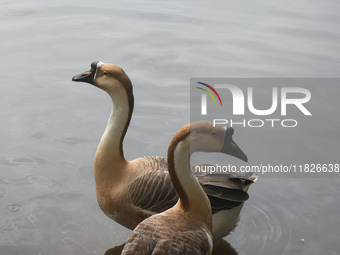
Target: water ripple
{"type": "Point", "coordinates": [25, 160]}
{"type": "Point", "coordinates": [3, 192]}
{"type": "Point", "coordinates": [14, 208]}
{"type": "Point", "coordinates": [4, 223]}
{"type": "Point", "coordinates": [262, 229]}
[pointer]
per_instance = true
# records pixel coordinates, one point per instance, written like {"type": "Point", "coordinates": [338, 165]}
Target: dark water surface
{"type": "Point", "coordinates": [50, 127]}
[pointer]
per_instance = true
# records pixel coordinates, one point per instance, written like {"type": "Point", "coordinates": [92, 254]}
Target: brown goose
{"type": "Point", "coordinates": [131, 191]}
{"type": "Point", "coordinates": [186, 227]}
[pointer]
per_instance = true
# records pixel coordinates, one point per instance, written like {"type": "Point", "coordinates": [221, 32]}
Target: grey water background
{"type": "Point", "coordinates": [50, 127]}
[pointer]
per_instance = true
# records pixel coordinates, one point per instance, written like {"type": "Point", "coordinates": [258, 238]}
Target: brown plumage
{"type": "Point", "coordinates": [153, 192]}
{"type": "Point", "coordinates": [130, 191]}
{"type": "Point", "coordinates": [168, 233]}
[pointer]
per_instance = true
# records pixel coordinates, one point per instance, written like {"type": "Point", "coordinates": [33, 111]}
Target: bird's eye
{"type": "Point", "coordinates": [105, 73]}
{"type": "Point", "coordinates": [213, 133]}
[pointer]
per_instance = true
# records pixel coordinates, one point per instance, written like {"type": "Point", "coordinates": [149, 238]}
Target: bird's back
{"type": "Point", "coordinates": [168, 233]}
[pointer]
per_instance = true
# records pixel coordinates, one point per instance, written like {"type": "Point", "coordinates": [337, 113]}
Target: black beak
{"type": "Point", "coordinates": [230, 147]}
{"type": "Point", "coordinates": [87, 76]}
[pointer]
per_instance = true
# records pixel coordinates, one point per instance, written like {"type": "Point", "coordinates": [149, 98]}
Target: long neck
{"type": "Point", "coordinates": [110, 155]}
{"type": "Point", "coordinates": [192, 197]}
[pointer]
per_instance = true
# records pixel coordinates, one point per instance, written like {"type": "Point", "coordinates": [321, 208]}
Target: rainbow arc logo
{"type": "Point", "coordinates": [204, 97]}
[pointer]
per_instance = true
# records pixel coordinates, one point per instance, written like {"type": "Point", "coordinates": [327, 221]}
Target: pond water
{"type": "Point", "coordinates": [50, 126]}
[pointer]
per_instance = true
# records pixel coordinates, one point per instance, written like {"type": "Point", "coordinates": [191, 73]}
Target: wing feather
{"type": "Point", "coordinates": [165, 234]}
{"type": "Point", "coordinates": [153, 190]}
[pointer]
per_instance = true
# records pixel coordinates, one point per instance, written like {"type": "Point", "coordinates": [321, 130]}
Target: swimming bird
{"type": "Point", "coordinates": [131, 191]}
{"type": "Point", "coordinates": [186, 228]}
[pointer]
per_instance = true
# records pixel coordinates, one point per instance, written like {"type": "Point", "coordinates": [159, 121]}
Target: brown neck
{"type": "Point", "coordinates": [192, 198]}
